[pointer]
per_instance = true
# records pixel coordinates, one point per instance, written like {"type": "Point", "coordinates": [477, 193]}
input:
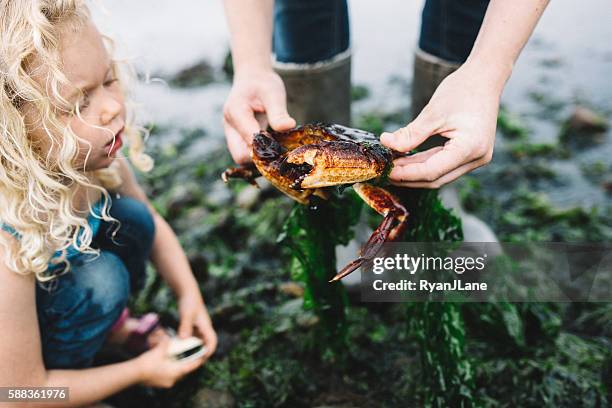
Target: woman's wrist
{"type": "Point", "coordinates": [252, 70]}
{"type": "Point", "coordinates": [488, 71]}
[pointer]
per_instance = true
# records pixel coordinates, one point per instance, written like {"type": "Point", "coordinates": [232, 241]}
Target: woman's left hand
{"type": "Point", "coordinates": [463, 109]}
{"type": "Point", "coordinates": [193, 313]}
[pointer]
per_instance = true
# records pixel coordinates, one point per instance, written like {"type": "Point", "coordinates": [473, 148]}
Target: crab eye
{"type": "Point", "coordinates": [266, 148]}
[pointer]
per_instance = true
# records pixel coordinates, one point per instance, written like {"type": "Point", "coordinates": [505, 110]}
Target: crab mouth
{"type": "Point", "coordinates": [295, 172]}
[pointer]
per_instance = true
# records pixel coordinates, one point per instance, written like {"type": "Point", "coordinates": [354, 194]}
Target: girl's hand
{"type": "Point", "coordinates": [464, 110]}
{"type": "Point", "coordinates": [159, 370]}
{"type": "Point", "coordinates": [193, 313]}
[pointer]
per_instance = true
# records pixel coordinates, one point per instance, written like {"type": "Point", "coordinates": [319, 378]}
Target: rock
{"type": "Point", "coordinates": [342, 399]}
{"type": "Point", "coordinates": [584, 129]}
{"type": "Point", "coordinates": [586, 120]}
{"type": "Point", "coordinates": [199, 74]}
{"type": "Point", "coordinates": [226, 343]}
{"type": "Point", "coordinates": [218, 194]}
{"type": "Point", "coordinates": [474, 229]}
{"type": "Point", "coordinates": [199, 265]}
{"type": "Point", "coordinates": [180, 197]}
{"type": "Point", "coordinates": [307, 320]}
{"type": "Point", "coordinates": [209, 398]}
{"type": "Point", "coordinates": [265, 185]}
{"type": "Point", "coordinates": [291, 308]}
{"type": "Point", "coordinates": [552, 62]}
{"type": "Point", "coordinates": [607, 185]}
{"type": "Point", "coordinates": [230, 316]}
{"type": "Point", "coordinates": [248, 197]}
{"type": "Point", "coordinates": [291, 289]}
{"type": "Point", "coordinates": [195, 215]}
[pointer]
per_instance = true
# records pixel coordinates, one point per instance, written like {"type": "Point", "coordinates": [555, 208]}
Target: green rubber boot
{"type": "Point", "coordinates": [429, 72]}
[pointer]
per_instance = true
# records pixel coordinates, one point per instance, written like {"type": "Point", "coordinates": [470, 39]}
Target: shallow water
{"type": "Point", "coordinates": [567, 60]}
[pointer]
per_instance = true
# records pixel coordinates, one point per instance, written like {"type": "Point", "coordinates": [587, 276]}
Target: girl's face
{"type": "Point", "coordinates": [101, 120]}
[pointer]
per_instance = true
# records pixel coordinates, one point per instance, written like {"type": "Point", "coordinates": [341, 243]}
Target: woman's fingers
{"type": "Point", "coordinates": [253, 93]}
{"type": "Point", "coordinates": [450, 157]}
{"type": "Point", "coordinates": [417, 157]}
{"type": "Point", "coordinates": [414, 134]}
{"type": "Point", "coordinates": [241, 117]}
{"type": "Point", "coordinates": [238, 148]}
{"type": "Point", "coordinates": [446, 178]}
{"type": "Point", "coordinates": [275, 105]}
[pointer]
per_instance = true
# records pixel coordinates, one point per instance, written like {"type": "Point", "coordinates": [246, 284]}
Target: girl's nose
{"type": "Point", "coordinates": [112, 107]}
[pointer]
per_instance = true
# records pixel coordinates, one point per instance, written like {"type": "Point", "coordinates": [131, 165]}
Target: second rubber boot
{"type": "Point", "coordinates": [429, 72]}
{"type": "Point", "coordinates": [318, 92]}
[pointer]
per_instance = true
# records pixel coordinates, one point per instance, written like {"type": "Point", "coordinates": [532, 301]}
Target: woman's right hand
{"type": "Point", "coordinates": [159, 370]}
{"type": "Point", "coordinates": [253, 91]}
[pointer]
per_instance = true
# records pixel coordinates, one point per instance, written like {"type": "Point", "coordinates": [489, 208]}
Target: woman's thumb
{"type": "Point", "coordinates": [275, 104]}
{"type": "Point", "coordinates": [410, 136]}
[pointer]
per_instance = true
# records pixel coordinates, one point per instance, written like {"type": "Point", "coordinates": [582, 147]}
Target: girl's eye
{"type": "Point", "coordinates": [110, 81]}
{"type": "Point", "coordinates": [84, 103]}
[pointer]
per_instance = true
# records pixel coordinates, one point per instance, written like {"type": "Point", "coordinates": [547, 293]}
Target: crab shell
{"type": "Point", "coordinates": [306, 160]}
{"type": "Point", "coordinates": [301, 161]}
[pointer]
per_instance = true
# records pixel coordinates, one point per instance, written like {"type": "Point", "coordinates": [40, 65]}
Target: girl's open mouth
{"type": "Point", "coordinates": [114, 145]}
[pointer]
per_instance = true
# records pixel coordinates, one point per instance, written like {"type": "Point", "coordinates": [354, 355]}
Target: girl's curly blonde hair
{"type": "Point", "coordinates": [36, 190]}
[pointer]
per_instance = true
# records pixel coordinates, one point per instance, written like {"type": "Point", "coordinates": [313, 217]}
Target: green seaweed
{"type": "Point", "coordinates": [312, 233]}
{"type": "Point", "coordinates": [511, 125]}
{"type": "Point", "coordinates": [447, 373]}
{"type": "Point", "coordinates": [530, 150]}
{"type": "Point", "coordinates": [359, 92]}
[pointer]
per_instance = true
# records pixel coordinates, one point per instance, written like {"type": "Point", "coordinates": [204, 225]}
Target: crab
{"type": "Point", "coordinates": [308, 160]}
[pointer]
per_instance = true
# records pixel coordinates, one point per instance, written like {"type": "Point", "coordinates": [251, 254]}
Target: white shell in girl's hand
{"type": "Point", "coordinates": [186, 349]}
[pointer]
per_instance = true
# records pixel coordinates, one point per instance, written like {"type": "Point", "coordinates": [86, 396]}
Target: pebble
{"type": "Point", "coordinates": [209, 398]}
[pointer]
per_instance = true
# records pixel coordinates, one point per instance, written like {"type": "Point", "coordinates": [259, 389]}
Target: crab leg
{"type": "Point", "coordinates": [248, 173]}
{"type": "Point", "coordinates": [390, 229]}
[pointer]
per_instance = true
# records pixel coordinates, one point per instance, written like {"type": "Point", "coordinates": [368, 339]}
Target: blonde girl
{"type": "Point", "coordinates": [77, 229]}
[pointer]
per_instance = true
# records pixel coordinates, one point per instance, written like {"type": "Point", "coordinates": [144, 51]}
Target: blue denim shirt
{"type": "Point", "coordinates": [93, 222]}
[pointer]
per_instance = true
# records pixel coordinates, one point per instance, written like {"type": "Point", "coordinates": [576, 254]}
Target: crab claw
{"type": "Point", "coordinates": [390, 229]}
{"type": "Point", "coordinates": [335, 163]}
{"type": "Point", "coordinates": [268, 157]}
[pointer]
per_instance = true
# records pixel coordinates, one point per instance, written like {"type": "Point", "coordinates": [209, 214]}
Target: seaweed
{"type": "Point", "coordinates": [511, 125]}
{"type": "Point", "coordinates": [447, 373]}
{"type": "Point", "coordinates": [312, 233]}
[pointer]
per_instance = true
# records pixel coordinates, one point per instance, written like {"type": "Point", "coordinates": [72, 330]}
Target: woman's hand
{"type": "Point", "coordinates": [463, 109]}
{"type": "Point", "coordinates": [193, 313]}
{"type": "Point", "coordinates": [253, 91]}
{"type": "Point", "coordinates": [158, 370]}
